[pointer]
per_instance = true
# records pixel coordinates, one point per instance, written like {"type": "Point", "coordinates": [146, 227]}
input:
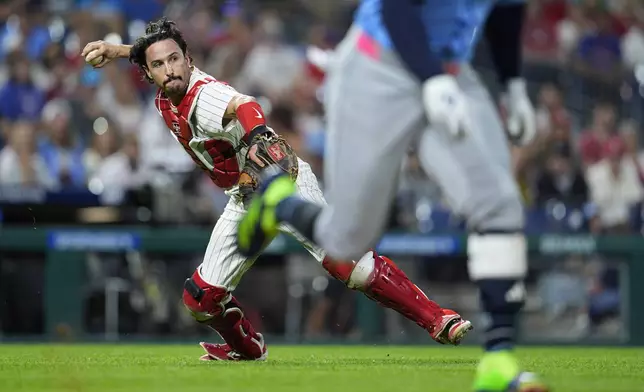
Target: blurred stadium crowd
{"type": "Point", "coordinates": [66, 126]}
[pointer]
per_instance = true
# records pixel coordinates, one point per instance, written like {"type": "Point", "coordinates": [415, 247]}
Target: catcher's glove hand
{"type": "Point", "coordinates": [265, 150]}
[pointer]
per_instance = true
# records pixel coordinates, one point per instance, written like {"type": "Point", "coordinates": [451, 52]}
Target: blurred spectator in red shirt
{"type": "Point", "coordinates": [540, 32]}
{"type": "Point", "coordinates": [592, 141]}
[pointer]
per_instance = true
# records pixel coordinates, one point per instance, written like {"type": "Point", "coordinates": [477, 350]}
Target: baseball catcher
{"type": "Point", "coordinates": [227, 136]}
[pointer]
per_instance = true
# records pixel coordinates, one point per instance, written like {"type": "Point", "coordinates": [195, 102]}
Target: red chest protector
{"type": "Point", "coordinates": [225, 172]}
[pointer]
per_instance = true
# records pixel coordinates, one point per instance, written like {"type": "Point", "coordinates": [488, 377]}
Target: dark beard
{"type": "Point", "coordinates": [176, 94]}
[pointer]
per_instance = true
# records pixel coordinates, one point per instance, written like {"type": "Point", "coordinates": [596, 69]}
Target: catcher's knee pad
{"type": "Point", "coordinates": [381, 280]}
{"type": "Point", "coordinates": [356, 275]}
{"type": "Point", "coordinates": [362, 274]}
{"type": "Point", "coordinates": [203, 300]}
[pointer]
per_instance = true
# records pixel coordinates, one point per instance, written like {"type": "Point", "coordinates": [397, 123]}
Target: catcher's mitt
{"type": "Point", "coordinates": [272, 149]}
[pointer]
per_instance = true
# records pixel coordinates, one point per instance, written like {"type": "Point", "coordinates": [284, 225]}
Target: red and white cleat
{"type": "Point", "coordinates": [451, 329]}
{"type": "Point", "coordinates": [223, 352]}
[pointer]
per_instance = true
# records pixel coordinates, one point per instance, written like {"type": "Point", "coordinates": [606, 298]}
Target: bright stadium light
{"type": "Point", "coordinates": [113, 38]}
{"type": "Point", "coordinates": [100, 125]}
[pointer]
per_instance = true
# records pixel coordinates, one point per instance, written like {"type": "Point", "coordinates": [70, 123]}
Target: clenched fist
{"type": "Point", "coordinates": [99, 53]}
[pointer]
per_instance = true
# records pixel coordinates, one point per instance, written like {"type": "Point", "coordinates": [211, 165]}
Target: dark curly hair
{"type": "Point", "coordinates": [157, 31]}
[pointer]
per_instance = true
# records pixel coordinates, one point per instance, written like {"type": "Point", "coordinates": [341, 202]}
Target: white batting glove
{"type": "Point", "coordinates": [445, 105]}
{"type": "Point", "coordinates": [521, 121]}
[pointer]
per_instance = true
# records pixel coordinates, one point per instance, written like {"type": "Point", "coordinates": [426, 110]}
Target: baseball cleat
{"type": "Point", "coordinates": [223, 352]}
{"type": "Point", "coordinates": [259, 224]}
{"type": "Point", "coordinates": [499, 371]}
{"type": "Point", "coordinates": [451, 329]}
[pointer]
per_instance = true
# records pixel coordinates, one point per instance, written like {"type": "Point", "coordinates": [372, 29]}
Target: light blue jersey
{"type": "Point", "coordinates": [454, 27]}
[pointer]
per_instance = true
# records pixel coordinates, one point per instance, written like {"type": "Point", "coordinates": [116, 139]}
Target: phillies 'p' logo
{"type": "Point", "coordinates": [176, 128]}
{"type": "Point", "coordinates": [276, 152]}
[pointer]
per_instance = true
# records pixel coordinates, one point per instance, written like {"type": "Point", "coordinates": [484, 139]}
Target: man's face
{"type": "Point", "coordinates": [604, 117]}
{"type": "Point", "coordinates": [23, 138]}
{"type": "Point", "coordinates": [168, 67]}
{"type": "Point", "coordinates": [59, 128]}
{"type": "Point", "coordinates": [20, 70]}
{"type": "Point", "coordinates": [550, 96]}
{"type": "Point", "coordinates": [558, 165]}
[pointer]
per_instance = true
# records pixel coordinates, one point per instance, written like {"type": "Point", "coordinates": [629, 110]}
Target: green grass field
{"type": "Point", "coordinates": [124, 368]}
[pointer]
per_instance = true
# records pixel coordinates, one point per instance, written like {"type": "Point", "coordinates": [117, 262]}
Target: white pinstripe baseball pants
{"type": "Point", "coordinates": [222, 264]}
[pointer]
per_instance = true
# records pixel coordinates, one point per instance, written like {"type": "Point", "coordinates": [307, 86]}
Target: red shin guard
{"type": "Point", "coordinates": [238, 332]}
{"type": "Point", "coordinates": [217, 308]}
{"type": "Point", "coordinates": [387, 285]}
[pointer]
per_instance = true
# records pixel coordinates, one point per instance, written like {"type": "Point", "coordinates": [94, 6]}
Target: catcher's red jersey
{"type": "Point", "coordinates": [197, 124]}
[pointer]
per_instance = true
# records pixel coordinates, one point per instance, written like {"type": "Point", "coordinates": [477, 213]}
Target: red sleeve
{"type": "Point", "coordinates": [251, 117]}
{"type": "Point", "coordinates": [587, 149]}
